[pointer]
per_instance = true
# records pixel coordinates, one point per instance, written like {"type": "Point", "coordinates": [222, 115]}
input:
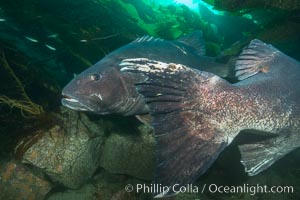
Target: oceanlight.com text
{"type": "Point", "coordinates": [250, 189]}
{"type": "Point", "coordinates": [210, 188]}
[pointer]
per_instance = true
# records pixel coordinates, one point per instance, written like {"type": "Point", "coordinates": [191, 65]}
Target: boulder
{"type": "Point", "coordinates": [68, 152]}
{"type": "Point", "coordinates": [19, 182]}
{"type": "Point", "coordinates": [130, 154]}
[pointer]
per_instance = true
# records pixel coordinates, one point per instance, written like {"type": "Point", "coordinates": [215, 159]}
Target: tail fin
{"type": "Point", "coordinates": [187, 142]}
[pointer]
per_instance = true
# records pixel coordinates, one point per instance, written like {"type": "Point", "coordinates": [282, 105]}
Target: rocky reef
{"type": "Point", "coordinates": [70, 152]}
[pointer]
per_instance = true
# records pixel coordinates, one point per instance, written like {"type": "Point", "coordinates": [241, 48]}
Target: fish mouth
{"type": "Point", "coordinates": [74, 104]}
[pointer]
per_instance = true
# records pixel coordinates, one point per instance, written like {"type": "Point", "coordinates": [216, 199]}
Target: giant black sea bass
{"type": "Point", "coordinates": [197, 114]}
{"type": "Point", "coordinates": [103, 89]}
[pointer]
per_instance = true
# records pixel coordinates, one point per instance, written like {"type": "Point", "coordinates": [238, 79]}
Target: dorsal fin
{"type": "Point", "coordinates": [146, 38]}
{"type": "Point", "coordinates": [254, 58]}
{"type": "Point", "coordinates": [194, 40]}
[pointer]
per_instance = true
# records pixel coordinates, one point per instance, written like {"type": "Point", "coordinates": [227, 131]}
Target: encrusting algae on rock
{"type": "Point", "coordinates": [68, 153]}
{"type": "Point", "coordinates": [20, 182]}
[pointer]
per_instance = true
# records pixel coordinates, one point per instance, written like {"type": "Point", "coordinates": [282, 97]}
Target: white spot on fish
{"type": "Point", "coordinates": [71, 100]}
{"type": "Point", "coordinates": [2, 20]}
{"type": "Point", "coordinates": [146, 38]}
{"type": "Point", "coordinates": [98, 95]}
{"type": "Point", "coordinates": [253, 170]}
{"type": "Point", "coordinates": [83, 40]}
{"type": "Point", "coordinates": [139, 40]}
{"type": "Point", "coordinates": [50, 47]}
{"type": "Point", "coordinates": [31, 39]}
{"type": "Point", "coordinates": [150, 66]}
{"type": "Point", "coordinates": [181, 49]}
{"type": "Point", "coordinates": [150, 38]}
{"type": "Point", "coordinates": [76, 108]}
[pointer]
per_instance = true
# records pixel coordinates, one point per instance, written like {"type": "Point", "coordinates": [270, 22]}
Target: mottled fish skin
{"type": "Point", "coordinates": [196, 114]}
{"type": "Point", "coordinates": [103, 89]}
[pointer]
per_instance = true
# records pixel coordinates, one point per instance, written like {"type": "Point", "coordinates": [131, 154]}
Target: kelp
{"type": "Point", "coordinates": [25, 104]}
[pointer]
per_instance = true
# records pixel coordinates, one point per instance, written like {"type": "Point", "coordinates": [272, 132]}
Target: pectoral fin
{"type": "Point", "coordinates": [187, 142]}
{"type": "Point", "coordinates": [184, 152]}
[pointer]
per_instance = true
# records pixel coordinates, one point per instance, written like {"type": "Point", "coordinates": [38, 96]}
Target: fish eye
{"type": "Point", "coordinates": [96, 77]}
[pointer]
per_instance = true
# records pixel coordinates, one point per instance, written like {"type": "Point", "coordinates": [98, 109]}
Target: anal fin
{"type": "Point", "coordinates": [259, 156]}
